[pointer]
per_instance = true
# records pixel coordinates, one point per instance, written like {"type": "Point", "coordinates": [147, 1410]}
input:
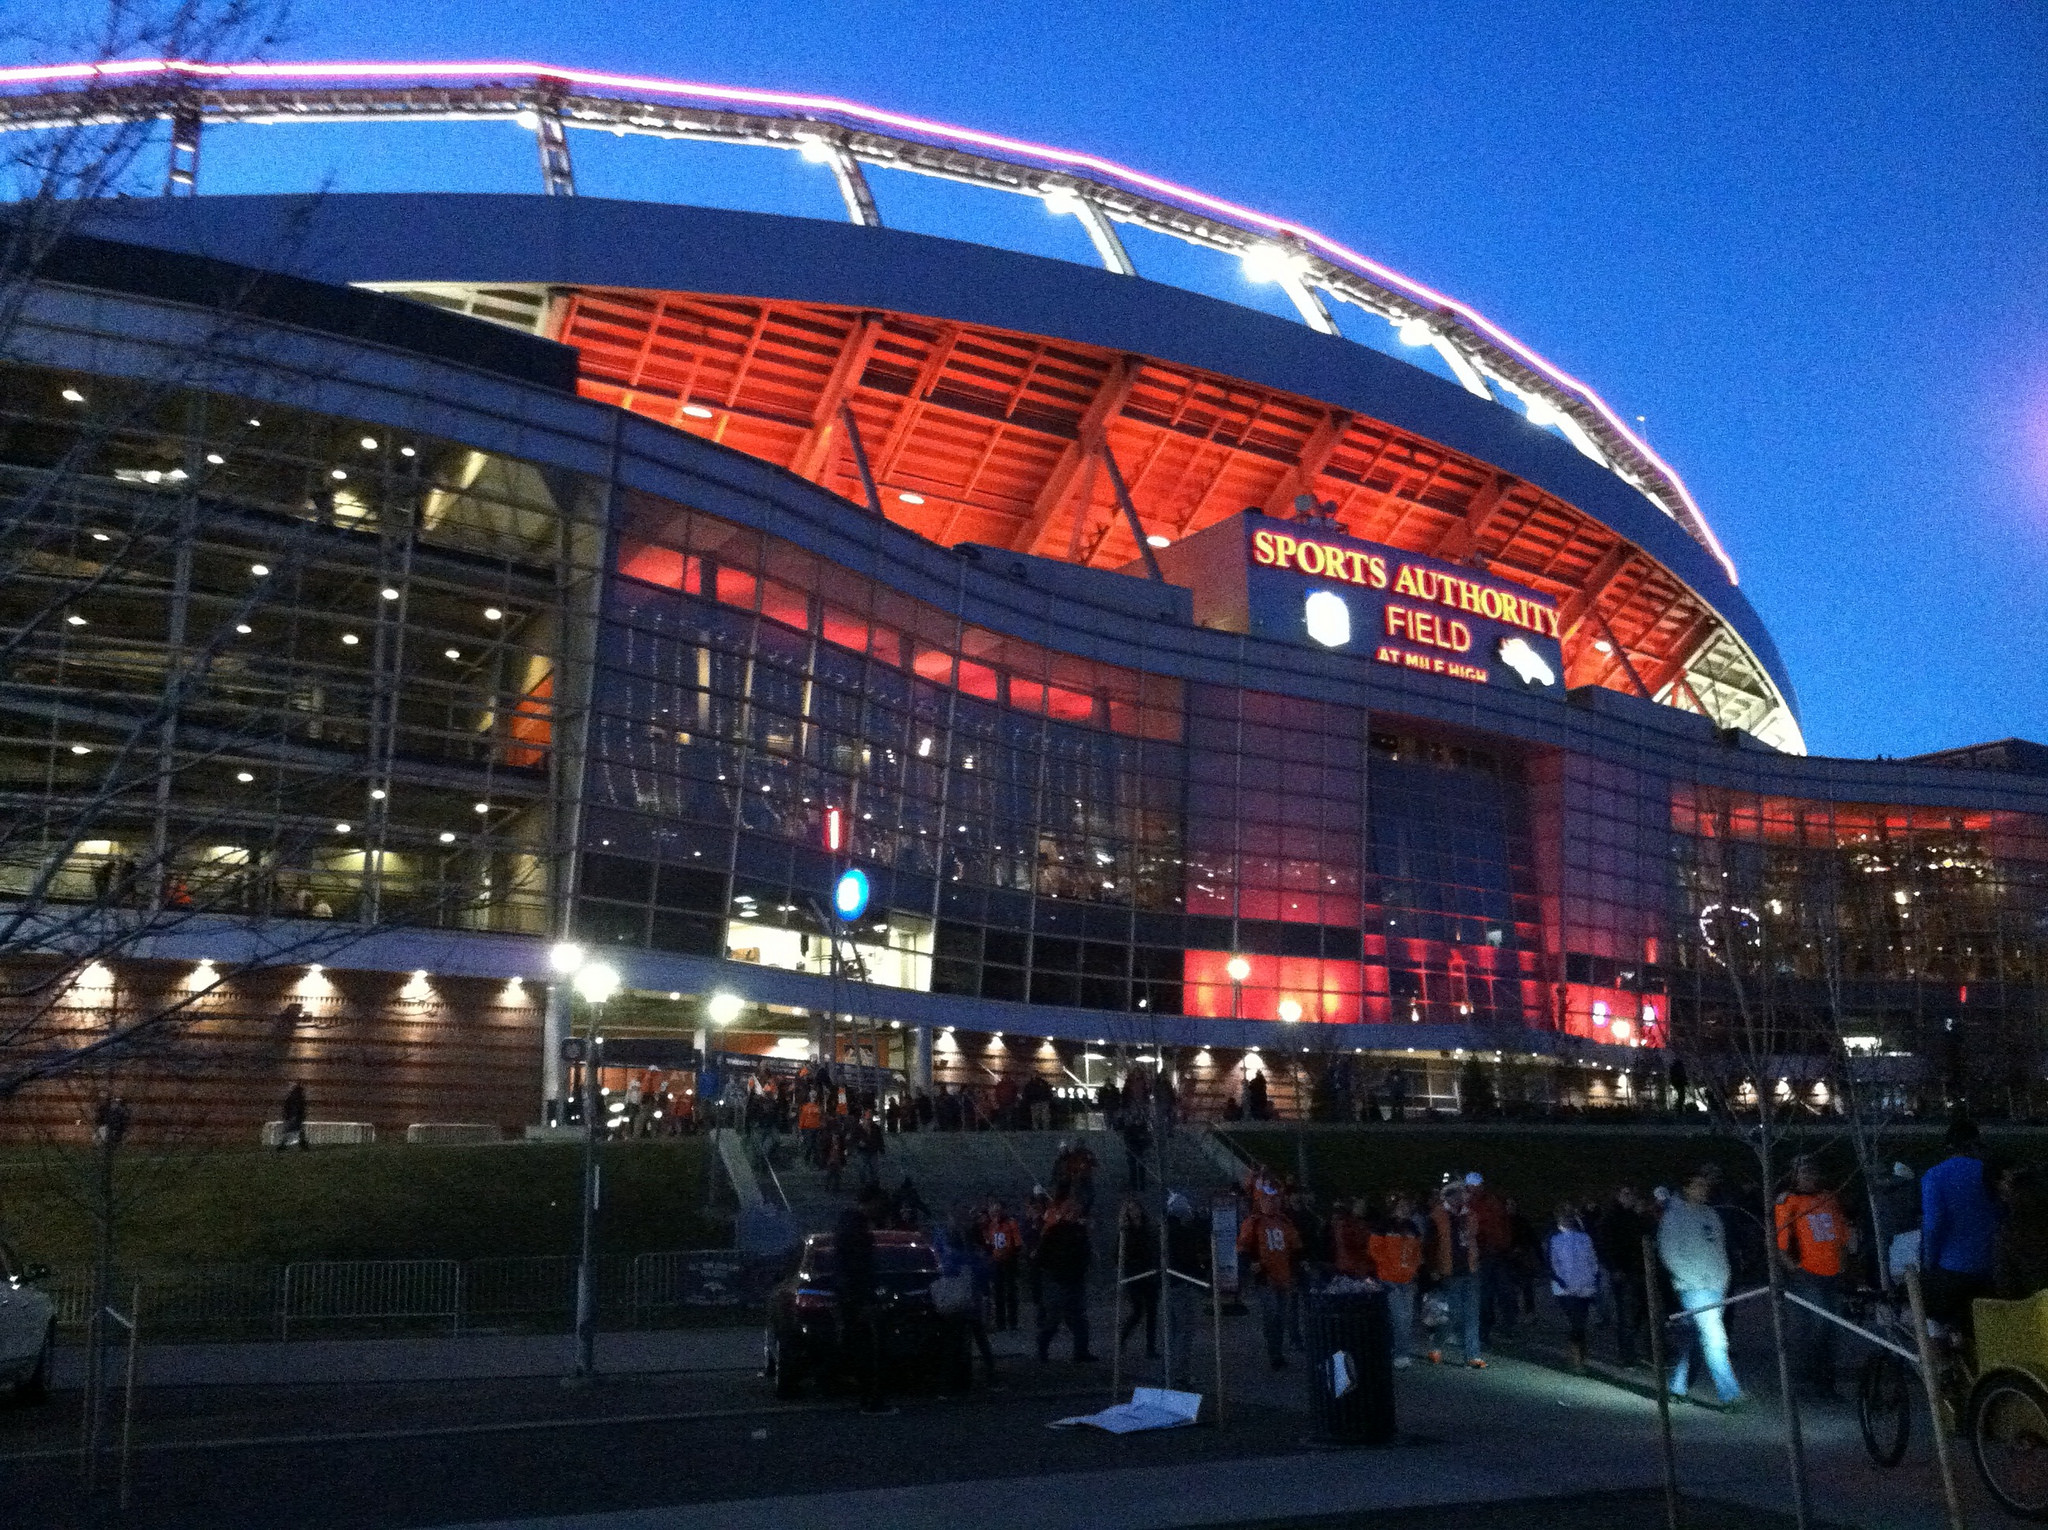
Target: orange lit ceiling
{"type": "Point", "coordinates": [999, 433]}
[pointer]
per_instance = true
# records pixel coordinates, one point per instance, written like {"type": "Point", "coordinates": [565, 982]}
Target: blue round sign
{"type": "Point", "coordinates": [850, 894]}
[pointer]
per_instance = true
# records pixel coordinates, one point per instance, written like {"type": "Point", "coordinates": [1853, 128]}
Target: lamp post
{"type": "Point", "coordinates": [594, 982]}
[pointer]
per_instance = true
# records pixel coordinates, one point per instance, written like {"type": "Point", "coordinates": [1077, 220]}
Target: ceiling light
{"type": "Point", "coordinates": [215, 459]}
{"type": "Point", "coordinates": [911, 499]}
{"type": "Point", "coordinates": [1156, 540]}
{"type": "Point", "coordinates": [565, 957]}
{"type": "Point", "coordinates": [75, 620]}
{"type": "Point", "coordinates": [815, 149]}
{"type": "Point", "coordinates": [597, 982]}
{"type": "Point", "coordinates": [378, 794]}
{"type": "Point", "coordinates": [1269, 263]}
{"type": "Point", "coordinates": [697, 411]}
{"type": "Point", "coordinates": [483, 807]}
{"type": "Point", "coordinates": [1415, 332]}
{"type": "Point", "coordinates": [1063, 200]}
{"type": "Point", "coordinates": [341, 828]}
{"type": "Point", "coordinates": [388, 593]}
{"type": "Point", "coordinates": [101, 536]}
{"type": "Point", "coordinates": [1601, 645]}
{"type": "Point", "coordinates": [369, 443]}
{"type": "Point", "coordinates": [253, 423]}
{"type": "Point", "coordinates": [1290, 1010]}
{"type": "Point", "coordinates": [1238, 968]}
{"type": "Point", "coordinates": [260, 570]}
{"type": "Point", "coordinates": [244, 628]}
{"type": "Point", "coordinates": [350, 639]}
{"type": "Point", "coordinates": [452, 653]}
{"type": "Point", "coordinates": [407, 451]}
{"type": "Point", "coordinates": [1540, 413]}
{"type": "Point", "coordinates": [493, 614]}
{"type": "Point", "coordinates": [73, 396]}
{"type": "Point", "coordinates": [81, 749]}
{"type": "Point", "coordinates": [725, 1008]}
{"type": "Point", "coordinates": [337, 474]}
{"type": "Point", "coordinates": [447, 836]}
{"type": "Point", "coordinates": [244, 777]}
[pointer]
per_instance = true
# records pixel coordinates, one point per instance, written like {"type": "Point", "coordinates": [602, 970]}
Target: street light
{"type": "Point", "coordinates": [724, 1008]}
{"type": "Point", "coordinates": [595, 982]}
{"type": "Point", "coordinates": [566, 958]}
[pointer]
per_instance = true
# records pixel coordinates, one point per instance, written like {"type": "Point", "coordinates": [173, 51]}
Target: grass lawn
{"type": "Point", "coordinates": [1541, 1165]}
{"type": "Point", "coordinates": [387, 1201]}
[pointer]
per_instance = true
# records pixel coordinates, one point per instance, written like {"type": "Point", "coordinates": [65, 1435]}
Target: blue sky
{"type": "Point", "coordinates": [1805, 242]}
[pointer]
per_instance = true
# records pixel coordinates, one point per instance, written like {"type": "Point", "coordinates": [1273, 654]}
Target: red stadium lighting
{"type": "Point", "coordinates": [835, 829]}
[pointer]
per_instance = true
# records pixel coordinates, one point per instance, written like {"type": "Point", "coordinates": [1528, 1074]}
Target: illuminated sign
{"type": "Point", "coordinates": [1302, 582]}
{"type": "Point", "coordinates": [850, 894]}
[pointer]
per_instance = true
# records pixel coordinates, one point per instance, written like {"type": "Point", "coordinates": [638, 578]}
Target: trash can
{"type": "Point", "coordinates": [1350, 1366]}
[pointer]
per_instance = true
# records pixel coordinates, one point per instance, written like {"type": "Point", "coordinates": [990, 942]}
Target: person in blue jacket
{"type": "Point", "coordinates": [1958, 1227]}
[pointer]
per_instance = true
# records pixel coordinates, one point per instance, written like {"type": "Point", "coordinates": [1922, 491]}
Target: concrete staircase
{"type": "Point", "coordinates": [951, 1167]}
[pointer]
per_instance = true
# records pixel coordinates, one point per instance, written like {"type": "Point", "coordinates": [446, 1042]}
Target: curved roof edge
{"type": "Point", "coordinates": [590, 242]}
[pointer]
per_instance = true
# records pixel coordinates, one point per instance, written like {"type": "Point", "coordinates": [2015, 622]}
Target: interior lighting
{"type": "Point", "coordinates": [566, 957]}
{"type": "Point", "coordinates": [1290, 1010]}
{"type": "Point", "coordinates": [529, 119]}
{"type": "Point", "coordinates": [101, 536]}
{"type": "Point", "coordinates": [81, 749]}
{"type": "Point", "coordinates": [1540, 413]}
{"type": "Point", "coordinates": [244, 777]}
{"type": "Point", "coordinates": [1619, 1030]}
{"type": "Point", "coordinates": [1156, 540]}
{"type": "Point", "coordinates": [483, 807]}
{"type": "Point", "coordinates": [673, 996]}
{"type": "Point", "coordinates": [377, 794]}
{"type": "Point", "coordinates": [814, 149]}
{"type": "Point", "coordinates": [350, 639]}
{"type": "Point", "coordinates": [407, 451]}
{"type": "Point", "coordinates": [337, 474]}
{"type": "Point", "coordinates": [1416, 332]}
{"type": "Point", "coordinates": [388, 593]}
{"type": "Point", "coordinates": [924, 749]}
{"type": "Point", "coordinates": [73, 396]}
{"type": "Point", "coordinates": [493, 614]}
{"type": "Point", "coordinates": [253, 423]}
{"type": "Point", "coordinates": [724, 1008]}
{"type": "Point", "coordinates": [911, 499]}
{"type": "Point", "coordinates": [452, 653]}
{"type": "Point", "coordinates": [75, 620]}
{"type": "Point", "coordinates": [341, 828]}
{"type": "Point", "coordinates": [1062, 200]}
{"type": "Point", "coordinates": [597, 981]}
{"type": "Point", "coordinates": [260, 570]}
{"type": "Point", "coordinates": [447, 836]}
{"type": "Point", "coordinates": [244, 628]}
{"type": "Point", "coordinates": [1238, 968]}
{"type": "Point", "coordinates": [369, 443]}
{"type": "Point", "coordinates": [215, 459]}
{"type": "Point", "coordinates": [1601, 645]}
{"type": "Point", "coordinates": [698, 411]}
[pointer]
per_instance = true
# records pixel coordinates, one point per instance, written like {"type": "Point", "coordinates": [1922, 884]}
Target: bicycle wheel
{"type": "Point", "coordinates": [2009, 1441]}
{"type": "Point", "coordinates": [1884, 1407]}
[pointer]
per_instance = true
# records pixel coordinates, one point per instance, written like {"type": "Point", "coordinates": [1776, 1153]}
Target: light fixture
{"type": "Point", "coordinates": [1541, 413]}
{"type": "Point", "coordinates": [377, 794]}
{"type": "Point", "coordinates": [596, 981]}
{"type": "Point", "coordinates": [674, 995]}
{"type": "Point", "coordinates": [337, 474]}
{"type": "Point", "coordinates": [565, 957]}
{"type": "Point", "coordinates": [341, 828]}
{"type": "Point", "coordinates": [1290, 1010]}
{"type": "Point", "coordinates": [244, 777]}
{"type": "Point", "coordinates": [350, 639]}
{"type": "Point", "coordinates": [215, 459]}
{"type": "Point", "coordinates": [451, 653]}
{"type": "Point", "coordinates": [814, 149]}
{"type": "Point", "coordinates": [101, 536]}
{"type": "Point", "coordinates": [447, 836]}
{"type": "Point", "coordinates": [253, 423]}
{"type": "Point", "coordinates": [493, 614]}
{"type": "Point", "coordinates": [73, 396]}
{"type": "Point", "coordinates": [244, 628]}
{"type": "Point", "coordinates": [369, 443]}
{"type": "Point", "coordinates": [724, 1008]}
{"type": "Point", "coordinates": [1416, 332]}
{"type": "Point", "coordinates": [483, 807]}
{"type": "Point", "coordinates": [1269, 263]}
{"type": "Point", "coordinates": [1063, 200]}
{"type": "Point", "coordinates": [1601, 645]}
{"type": "Point", "coordinates": [911, 499]}
{"type": "Point", "coordinates": [698, 411]}
{"type": "Point", "coordinates": [1238, 968]}
{"type": "Point", "coordinates": [260, 570]}
{"type": "Point", "coordinates": [1156, 540]}
{"type": "Point", "coordinates": [528, 119]}
{"type": "Point", "coordinates": [75, 620]}
{"type": "Point", "coordinates": [81, 749]}
{"type": "Point", "coordinates": [388, 593]}
{"type": "Point", "coordinates": [1328, 618]}
{"type": "Point", "coordinates": [407, 451]}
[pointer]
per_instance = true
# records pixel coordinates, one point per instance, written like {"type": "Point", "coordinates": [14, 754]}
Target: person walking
{"type": "Point", "coordinates": [294, 1125]}
{"type": "Point", "coordinates": [1005, 1250]}
{"type": "Point", "coordinates": [1958, 1228]}
{"type": "Point", "coordinates": [964, 1267]}
{"type": "Point", "coordinates": [1137, 1135]}
{"type": "Point", "coordinates": [1618, 1239]}
{"type": "Point", "coordinates": [1574, 1277]}
{"type": "Point", "coordinates": [853, 1285]}
{"type": "Point", "coordinates": [1189, 1246]}
{"type": "Point", "coordinates": [1693, 1246]}
{"type": "Point", "coordinates": [1395, 1249]}
{"type": "Point", "coordinates": [1062, 1262]}
{"type": "Point", "coordinates": [1815, 1243]}
{"type": "Point", "coordinates": [1272, 1242]}
{"type": "Point", "coordinates": [1138, 1275]}
{"type": "Point", "coordinates": [1454, 1256]}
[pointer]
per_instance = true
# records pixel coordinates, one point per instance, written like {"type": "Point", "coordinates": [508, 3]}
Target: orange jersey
{"type": "Point", "coordinates": [810, 1117]}
{"type": "Point", "coordinates": [1273, 1242]}
{"type": "Point", "coordinates": [1004, 1240]}
{"type": "Point", "coordinates": [1822, 1232]}
{"type": "Point", "coordinates": [1396, 1257]}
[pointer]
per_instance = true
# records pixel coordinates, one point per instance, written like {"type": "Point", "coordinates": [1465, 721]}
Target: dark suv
{"type": "Point", "coordinates": [803, 1338]}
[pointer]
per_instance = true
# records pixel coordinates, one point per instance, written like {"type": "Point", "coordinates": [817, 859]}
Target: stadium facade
{"type": "Point", "coordinates": [1188, 681]}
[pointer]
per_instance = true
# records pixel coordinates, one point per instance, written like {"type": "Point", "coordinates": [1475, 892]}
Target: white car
{"type": "Point", "coordinates": [28, 1328]}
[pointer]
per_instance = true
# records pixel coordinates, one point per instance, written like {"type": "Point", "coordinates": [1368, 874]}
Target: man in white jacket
{"type": "Point", "coordinates": [1694, 1247]}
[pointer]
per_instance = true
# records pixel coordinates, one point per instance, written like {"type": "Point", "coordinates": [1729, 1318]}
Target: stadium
{"type": "Point", "coordinates": [1310, 682]}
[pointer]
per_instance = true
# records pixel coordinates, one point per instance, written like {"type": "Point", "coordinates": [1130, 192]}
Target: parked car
{"type": "Point", "coordinates": [803, 1338]}
{"type": "Point", "coordinates": [28, 1328]}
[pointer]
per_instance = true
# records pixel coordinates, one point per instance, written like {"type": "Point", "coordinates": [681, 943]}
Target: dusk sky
{"type": "Point", "coordinates": [1804, 242]}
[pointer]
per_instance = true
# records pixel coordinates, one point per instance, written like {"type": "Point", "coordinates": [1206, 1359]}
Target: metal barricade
{"type": "Point", "coordinates": [371, 1290]}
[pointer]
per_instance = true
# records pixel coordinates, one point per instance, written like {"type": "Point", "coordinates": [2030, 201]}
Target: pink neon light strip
{"type": "Point", "coordinates": [785, 101]}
